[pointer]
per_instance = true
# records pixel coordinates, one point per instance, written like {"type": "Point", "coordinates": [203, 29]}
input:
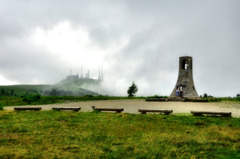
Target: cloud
{"type": "Point", "coordinates": [138, 41]}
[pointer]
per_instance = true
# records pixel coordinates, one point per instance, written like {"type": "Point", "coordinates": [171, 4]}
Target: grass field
{"type": "Point", "coordinates": [52, 134]}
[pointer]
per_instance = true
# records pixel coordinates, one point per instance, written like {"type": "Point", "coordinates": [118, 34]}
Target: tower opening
{"type": "Point", "coordinates": [184, 64]}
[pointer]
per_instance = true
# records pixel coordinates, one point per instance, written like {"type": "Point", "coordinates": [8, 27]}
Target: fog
{"type": "Point", "coordinates": [136, 40]}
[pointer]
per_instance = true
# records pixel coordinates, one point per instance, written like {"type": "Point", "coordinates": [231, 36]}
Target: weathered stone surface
{"type": "Point", "coordinates": [185, 78]}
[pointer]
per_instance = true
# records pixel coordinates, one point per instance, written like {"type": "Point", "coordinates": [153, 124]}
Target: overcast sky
{"type": "Point", "coordinates": [134, 40]}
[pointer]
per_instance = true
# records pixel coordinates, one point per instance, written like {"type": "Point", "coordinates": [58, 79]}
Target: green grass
{"type": "Point", "coordinates": [1, 106]}
{"type": "Point", "coordinates": [53, 134]}
{"type": "Point", "coordinates": [219, 99]}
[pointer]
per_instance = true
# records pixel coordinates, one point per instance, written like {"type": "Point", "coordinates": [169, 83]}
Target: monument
{"type": "Point", "coordinates": [185, 85]}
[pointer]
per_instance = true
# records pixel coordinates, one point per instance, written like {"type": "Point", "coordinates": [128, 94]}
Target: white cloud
{"type": "Point", "coordinates": [137, 41]}
{"type": "Point", "coordinates": [5, 81]}
{"type": "Point", "coordinates": [71, 45]}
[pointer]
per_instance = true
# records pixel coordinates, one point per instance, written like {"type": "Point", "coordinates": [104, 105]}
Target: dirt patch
{"type": "Point", "coordinates": [132, 106]}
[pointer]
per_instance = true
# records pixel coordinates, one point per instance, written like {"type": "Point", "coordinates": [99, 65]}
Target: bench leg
{"type": "Point", "coordinates": [197, 114]}
{"type": "Point", "coordinates": [226, 115]}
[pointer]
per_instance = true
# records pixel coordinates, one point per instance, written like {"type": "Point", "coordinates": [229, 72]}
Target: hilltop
{"type": "Point", "coordinates": [75, 86]}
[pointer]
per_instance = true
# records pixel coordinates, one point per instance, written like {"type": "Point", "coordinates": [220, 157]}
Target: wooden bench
{"type": "Point", "coordinates": [166, 112]}
{"type": "Point", "coordinates": [200, 113]}
{"type": "Point", "coordinates": [117, 110]}
{"type": "Point", "coordinates": [67, 108]}
{"type": "Point", "coordinates": [28, 108]}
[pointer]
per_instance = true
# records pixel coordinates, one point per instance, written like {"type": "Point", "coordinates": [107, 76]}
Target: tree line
{"type": "Point", "coordinates": [6, 93]}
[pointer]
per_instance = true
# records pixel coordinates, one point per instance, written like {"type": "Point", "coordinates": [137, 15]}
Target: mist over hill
{"type": "Point", "coordinates": [73, 85]}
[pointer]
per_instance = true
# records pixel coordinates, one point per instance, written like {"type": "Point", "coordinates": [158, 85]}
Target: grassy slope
{"type": "Point", "coordinates": [49, 134]}
{"type": "Point", "coordinates": [20, 90]}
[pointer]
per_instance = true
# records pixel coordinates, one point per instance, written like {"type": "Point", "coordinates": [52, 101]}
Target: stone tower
{"type": "Point", "coordinates": [185, 78]}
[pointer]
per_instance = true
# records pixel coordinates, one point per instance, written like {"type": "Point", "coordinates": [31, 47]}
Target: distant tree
{"type": "Point", "coordinates": [205, 95]}
{"type": "Point", "coordinates": [12, 92]}
{"type": "Point", "coordinates": [54, 92]}
{"type": "Point", "coordinates": [3, 92]}
{"type": "Point", "coordinates": [238, 95]}
{"type": "Point", "coordinates": [132, 90]}
{"type": "Point", "coordinates": [6, 93]}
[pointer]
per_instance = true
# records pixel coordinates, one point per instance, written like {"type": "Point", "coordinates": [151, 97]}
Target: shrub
{"type": "Point", "coordinates": [214, 99]}
{"type": "Point", "coordinates": [157, 96]}
{"type": "Point", "coordinates": [31, 98]}
{"type": "Point", "coordinates": [195, 100]}
{"type": "Point", "coordinates": [88, 96]}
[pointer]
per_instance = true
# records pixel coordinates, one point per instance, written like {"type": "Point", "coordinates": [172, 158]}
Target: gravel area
{"type": "Point", "coordinates": [132, 106]}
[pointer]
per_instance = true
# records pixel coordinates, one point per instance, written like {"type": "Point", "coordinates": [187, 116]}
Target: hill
{"type": "Point", "coordinates": [74, 86]}
{"type": "Point", "coordinates": [20, 90]}
{"type": "Point", "coordinates": [71, 86]}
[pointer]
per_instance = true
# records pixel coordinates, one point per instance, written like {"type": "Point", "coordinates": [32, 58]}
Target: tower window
{"type": "Point", "coordinates": [184, 64]}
